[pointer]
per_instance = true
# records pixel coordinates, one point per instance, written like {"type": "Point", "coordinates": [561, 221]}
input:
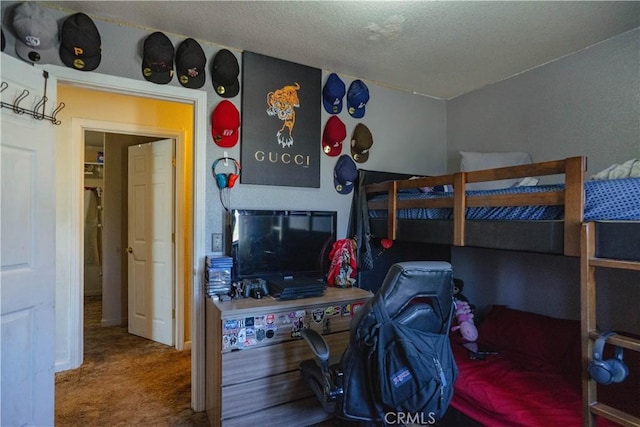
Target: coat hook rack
{"type": "Point", "coordinates": [38, 112]}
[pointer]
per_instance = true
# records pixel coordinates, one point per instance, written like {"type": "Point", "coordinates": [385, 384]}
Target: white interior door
{"type": "Point", "coordinates": [150, 231]}
{"type": "Point", "coordinates": [27, 254]}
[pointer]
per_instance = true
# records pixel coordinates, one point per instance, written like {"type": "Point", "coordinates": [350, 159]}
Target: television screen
{"type": "Point", "coordinates": [281, 243]}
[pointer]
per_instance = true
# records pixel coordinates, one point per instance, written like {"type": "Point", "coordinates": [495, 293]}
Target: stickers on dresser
{"type": "Point", "coordinates": [269, 328]}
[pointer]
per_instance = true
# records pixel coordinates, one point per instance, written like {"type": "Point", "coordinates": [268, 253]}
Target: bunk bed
{"type": "Point", "coordinates": [540, 218]}
{"type": "Point", "coordinates": [597, 221]}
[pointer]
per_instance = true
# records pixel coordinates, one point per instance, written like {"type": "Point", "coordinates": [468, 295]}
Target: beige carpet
{"type": "Point", "coordinates": [125, 380]}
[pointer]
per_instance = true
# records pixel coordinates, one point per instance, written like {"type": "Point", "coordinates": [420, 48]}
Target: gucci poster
{"type": "Point", "coordinates": [280, 122]}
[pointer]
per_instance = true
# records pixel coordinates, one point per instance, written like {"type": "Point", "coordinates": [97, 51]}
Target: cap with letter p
{"type": "Point", "coordinates": [80, 43]}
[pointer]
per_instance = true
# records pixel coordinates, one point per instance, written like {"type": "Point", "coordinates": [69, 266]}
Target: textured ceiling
{"type": "Point", "coordinates": [437, 48]}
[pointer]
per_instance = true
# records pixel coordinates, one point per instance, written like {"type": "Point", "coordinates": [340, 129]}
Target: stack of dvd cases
{"type": "Point", "coordinates": [217, 274]}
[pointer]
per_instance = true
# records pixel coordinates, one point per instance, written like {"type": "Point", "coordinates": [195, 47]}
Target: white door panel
{"type": "Point", "coordinates": [27, 254]}
{"type": "Point", "coordinates": [151, 270]}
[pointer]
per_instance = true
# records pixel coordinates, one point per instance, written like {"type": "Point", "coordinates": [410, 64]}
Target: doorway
{"type": "Point", "coordinates": [190, 136]}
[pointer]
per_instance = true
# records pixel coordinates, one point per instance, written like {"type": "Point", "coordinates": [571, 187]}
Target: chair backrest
{"type": "Point", "coordinates": [417, 293]}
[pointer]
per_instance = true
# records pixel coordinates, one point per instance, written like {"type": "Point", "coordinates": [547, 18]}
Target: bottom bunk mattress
{"type": "Point", "coordinates": [535, 379]}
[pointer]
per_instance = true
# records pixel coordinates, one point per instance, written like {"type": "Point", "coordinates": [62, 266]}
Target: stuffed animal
{"type": "Point", "coordinates": [458, 287]}
{"type": "Point", "coordinates": [465, 324]}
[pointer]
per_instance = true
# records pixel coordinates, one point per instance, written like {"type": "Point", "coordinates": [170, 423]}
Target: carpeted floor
{"type": "Point", "coordinates": [125, 380]}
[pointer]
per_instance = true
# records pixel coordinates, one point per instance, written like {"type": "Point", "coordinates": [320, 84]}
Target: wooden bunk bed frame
{"type": "Point", "coordinates": [572, 197]}
{"type": "Point", "coordinates": [588, 264]}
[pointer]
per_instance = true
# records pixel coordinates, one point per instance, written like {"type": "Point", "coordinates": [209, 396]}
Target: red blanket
{"type": "Point", "coordinates": [535, 380]}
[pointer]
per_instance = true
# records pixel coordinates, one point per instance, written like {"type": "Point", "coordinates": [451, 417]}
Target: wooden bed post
{"type": "Point", "coordinates": [573, 204]}
{"type": "Point", "coordinates": [587, 316]}
{"type": "Point", "coordinates": [459, 207]}
{"type": "Point", "coordinates": [392, 214]}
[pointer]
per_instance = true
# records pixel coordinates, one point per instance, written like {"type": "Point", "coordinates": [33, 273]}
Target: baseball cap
{"type": "Point", "coordinates": [36, 33]}
{"type": "Point", "coordinates": [224, 74]}
{"type": "Point", "coordinates": [361, 142]}
{"type": "Point", "coordinates": [357, 98]}
{"type": "Point", "coordinates": [225, 122]}
{"type": "Point", "coordinates": [334, 133]}
{"type": "Point", "coordinates": [190, 64]}
{"type": "Point", "coordinates": [157, 58]}
{"type": "Point", "coordinates": [332, 94]}
{"type": "Point", "coordinates": [345, 174]}
{"type": "Point", "coordinates": [80, 43]}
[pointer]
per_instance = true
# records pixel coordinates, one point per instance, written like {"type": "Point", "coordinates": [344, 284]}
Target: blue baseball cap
{"type": "Point", "coordinates": [345, 174]}
{"type": "Point", "coordinates": [357, 98]}
{"type": "Point", "coordinates": [332, 94]}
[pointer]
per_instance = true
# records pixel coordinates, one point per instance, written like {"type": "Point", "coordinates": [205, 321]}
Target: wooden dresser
{"type": "Point", "coordinates": [253, 351]}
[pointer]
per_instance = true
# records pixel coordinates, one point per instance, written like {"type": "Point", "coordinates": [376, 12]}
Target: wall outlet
{"type": "Point", "coordinates": [216, 242]}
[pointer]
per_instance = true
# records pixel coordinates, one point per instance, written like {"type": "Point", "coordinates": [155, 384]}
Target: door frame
{"type": "Point", "coordinates": [127, 86]}
{"type": "Point", "coordinates": [78, 128]}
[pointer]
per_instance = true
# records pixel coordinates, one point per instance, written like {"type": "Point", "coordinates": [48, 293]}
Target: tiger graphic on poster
{"type": "Point", "coordinates": [282, 103]}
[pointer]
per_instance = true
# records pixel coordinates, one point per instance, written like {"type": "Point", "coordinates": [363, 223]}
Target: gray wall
{"type": "Point", "coordinates": [588, 104]}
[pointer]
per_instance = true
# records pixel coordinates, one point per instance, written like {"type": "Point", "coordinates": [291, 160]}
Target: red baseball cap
{"type": "Point", "coordinates": [334, 133]}
{"type": "Point", "coordinates": [225, 122]}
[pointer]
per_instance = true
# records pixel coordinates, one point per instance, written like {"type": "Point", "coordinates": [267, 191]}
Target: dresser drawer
{"type": "Point", "coordinates": [247, 365]}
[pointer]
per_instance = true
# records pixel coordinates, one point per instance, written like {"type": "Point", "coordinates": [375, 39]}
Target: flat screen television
{"type": "Point", "coordinates": [281, 243]}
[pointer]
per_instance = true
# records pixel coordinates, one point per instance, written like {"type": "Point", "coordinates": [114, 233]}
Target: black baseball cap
{"type": "Point", "coordinates": [157, 58]}
{"type": "Point", "coordinates": [190, 64]}
{"type": "Point", "coordinates": [80, 43]}
{"type": "Point", "coordinates": [224, 74]}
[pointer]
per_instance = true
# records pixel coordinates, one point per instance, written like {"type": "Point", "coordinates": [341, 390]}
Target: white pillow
{"type": "Point", "coordinates": [629, 169]}
{"type": "Point", "coordinates": [473, 161]}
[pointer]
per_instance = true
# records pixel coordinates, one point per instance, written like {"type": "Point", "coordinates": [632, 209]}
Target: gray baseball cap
{"type": "Point", "coordinates": [36, 34]}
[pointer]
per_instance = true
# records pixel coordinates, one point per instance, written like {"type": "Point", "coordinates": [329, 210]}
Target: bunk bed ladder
{"type": "Point", "coordinates": [588, 264]}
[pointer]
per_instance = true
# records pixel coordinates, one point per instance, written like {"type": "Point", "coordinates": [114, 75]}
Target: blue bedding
{"type": "Point", "coordinates": [615, 199]}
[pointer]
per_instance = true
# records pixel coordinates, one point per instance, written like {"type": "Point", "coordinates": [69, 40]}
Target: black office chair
{"type": "Point", "coordinates": [418, 294]}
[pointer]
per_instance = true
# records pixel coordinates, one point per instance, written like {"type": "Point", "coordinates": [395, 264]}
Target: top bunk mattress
{"type": "Point", "coordinates": [615, 199]}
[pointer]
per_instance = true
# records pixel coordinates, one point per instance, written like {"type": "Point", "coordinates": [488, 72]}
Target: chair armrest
{"type": "Point", "coordinates": [317, 343]}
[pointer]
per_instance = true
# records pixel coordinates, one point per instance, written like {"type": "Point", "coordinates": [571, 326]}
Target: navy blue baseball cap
{"type": "Point", "coordinates": [345, 174]}
{"type": "Point", "coordinates": [357, 98]}
{"type": "Point", "coordinates": [332, 94]}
